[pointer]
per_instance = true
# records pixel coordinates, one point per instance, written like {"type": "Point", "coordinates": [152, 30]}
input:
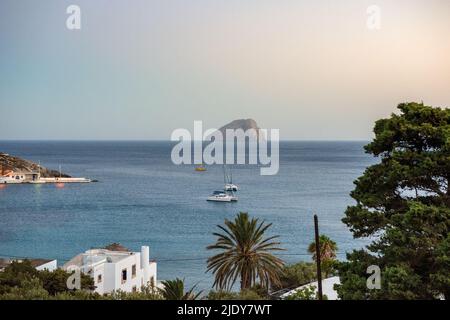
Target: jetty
{"type": "Point", "coordinates": [14, 170]}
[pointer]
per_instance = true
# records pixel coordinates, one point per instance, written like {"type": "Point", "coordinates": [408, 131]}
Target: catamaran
{"type": "Point", "coordinates": [219, 196]}
{"type": "Point", "coordinates": [222, 196]}
{"type": "Point", "coordinates": [228, 180]}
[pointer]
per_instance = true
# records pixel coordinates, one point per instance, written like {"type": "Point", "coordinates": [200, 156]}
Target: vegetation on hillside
{"type": "Point", "coordinates": [327, 251]}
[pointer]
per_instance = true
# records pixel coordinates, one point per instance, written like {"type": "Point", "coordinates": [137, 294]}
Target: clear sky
{"type": "Point", "coordinates": [139, 69]}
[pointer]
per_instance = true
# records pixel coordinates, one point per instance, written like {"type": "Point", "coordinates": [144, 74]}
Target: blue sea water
{"type": "Point", "coordinates": [143, 199]}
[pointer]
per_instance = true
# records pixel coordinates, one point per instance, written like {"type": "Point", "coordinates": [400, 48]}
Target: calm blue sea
{"type": "Point", "coordinates": [143, 199]}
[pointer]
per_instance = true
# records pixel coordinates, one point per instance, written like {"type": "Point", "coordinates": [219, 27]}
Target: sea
{"type": "Point", "coordinates": [142, 198]}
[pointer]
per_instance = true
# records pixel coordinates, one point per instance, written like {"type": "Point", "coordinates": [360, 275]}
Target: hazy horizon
{"type": "Point", "coordinates": [138, 70]}
{"type": "Point", "coordinates": [168, 140]}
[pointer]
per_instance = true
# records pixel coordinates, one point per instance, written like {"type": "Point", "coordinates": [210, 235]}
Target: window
{"type": "Point", "coordinates": [99, 278]}
{"type": "Point", "coordinates": [133, 271]}
{"type": "Point", "coordinates": [124, 275]}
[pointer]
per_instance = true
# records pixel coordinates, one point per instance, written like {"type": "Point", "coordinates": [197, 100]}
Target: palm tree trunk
{"type": "Point", "coordinates": [245, 280]}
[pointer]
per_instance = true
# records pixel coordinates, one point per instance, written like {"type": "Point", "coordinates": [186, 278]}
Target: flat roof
{"type": "Point", "coordinates": [98, 255]}
{"type": "Point", "coordinates": [34, 262]}
{"type": "Point", "coordinates": [327, 288]}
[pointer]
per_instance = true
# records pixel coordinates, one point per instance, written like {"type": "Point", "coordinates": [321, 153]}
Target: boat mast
{"type": "Point", "coordinates": [226, 178]}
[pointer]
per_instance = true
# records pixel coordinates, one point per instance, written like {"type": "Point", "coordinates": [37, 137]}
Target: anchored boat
{"type": "Point", "coordinates": [222, 196]}
{"type": "Point", "coordinates": [200, 168]}
{"type": "Point", "coordinates": [219, 196]}
{"type": "Point", "coordinates": [228, 180]}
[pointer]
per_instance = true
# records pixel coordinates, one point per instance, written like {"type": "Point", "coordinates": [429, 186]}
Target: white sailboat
{"type": "Point", "coordinates": [228, 180]}
{"type": "Point", "coordinates": [219, 196]}
{"type": "Point", "coordinates": [233, 197]}
{"type": "Point", "coordinates": [227, 195]}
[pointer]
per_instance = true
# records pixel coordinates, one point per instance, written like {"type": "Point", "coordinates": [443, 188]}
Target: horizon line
{"type": "Point", "coordinates": [168, 140]}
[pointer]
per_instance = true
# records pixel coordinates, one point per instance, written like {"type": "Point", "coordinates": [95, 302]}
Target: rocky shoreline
{"type": "Point", "coordinates": [11, 163]}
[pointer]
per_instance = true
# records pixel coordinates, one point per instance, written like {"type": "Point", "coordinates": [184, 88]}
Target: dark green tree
{"type": "Point", "coordinates": [296, 275]}
{"type": "Point", "coordinates": [15, 274]}
{"type": "Point", "coordinates": [403, 203]}
{"type": "Point", "coordinates": [18, 276]}
{"type": "Point", "coordinates": [56, 281]}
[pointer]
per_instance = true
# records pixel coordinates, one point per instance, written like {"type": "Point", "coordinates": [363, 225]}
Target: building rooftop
{"type": "Point", "coordinates": [327, 288]}
{"type": "Point", "coordinates": [34, 262]}
{"type": "Point", "coordinates": [94, 256]}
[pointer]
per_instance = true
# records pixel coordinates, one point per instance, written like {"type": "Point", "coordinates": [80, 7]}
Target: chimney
{"type": "Point", "coordinates": [145, 263]}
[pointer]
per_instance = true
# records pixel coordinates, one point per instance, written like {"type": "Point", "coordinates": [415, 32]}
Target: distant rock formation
{"type": "Point", "coordinates": [244, 124]}
{"type": "Point", "coordinates": [116, 247]}
{"type": "Point", "coordinates": [10, 163]}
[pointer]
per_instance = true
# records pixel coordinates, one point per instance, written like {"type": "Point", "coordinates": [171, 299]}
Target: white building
{"type": "Point", "coordinates": [116, 270]}
{"type": "Point", "coordinates": [42, 264]}
{"type": "Point", "coordinates": [38, 264]}
{"type": "Point", "coordinates": [327, 288]}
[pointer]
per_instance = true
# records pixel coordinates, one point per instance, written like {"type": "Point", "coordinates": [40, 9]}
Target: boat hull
{"type": "Point", "coordinates": [219, 199]}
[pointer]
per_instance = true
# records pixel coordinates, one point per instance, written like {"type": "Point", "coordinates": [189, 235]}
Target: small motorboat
{"type": "Point", "coordinates": [200, 168]}
{"type": "Point", "coordinates": [220, 196]}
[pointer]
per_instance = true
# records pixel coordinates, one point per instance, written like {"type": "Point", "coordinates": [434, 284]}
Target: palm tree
{"type": "Point", "coordinates": [174, 290]}
{"type": "Point", "coordinates": [245, 254]}
{"type": "Point", "coordinates": [327, 250]}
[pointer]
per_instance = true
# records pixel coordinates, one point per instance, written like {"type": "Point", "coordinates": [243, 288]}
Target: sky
{"type": "Point", "coordinates": [143, 68]}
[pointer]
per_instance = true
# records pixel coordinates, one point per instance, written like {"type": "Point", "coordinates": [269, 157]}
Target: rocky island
{"type": "Point", "coordinates": [244, 124]}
